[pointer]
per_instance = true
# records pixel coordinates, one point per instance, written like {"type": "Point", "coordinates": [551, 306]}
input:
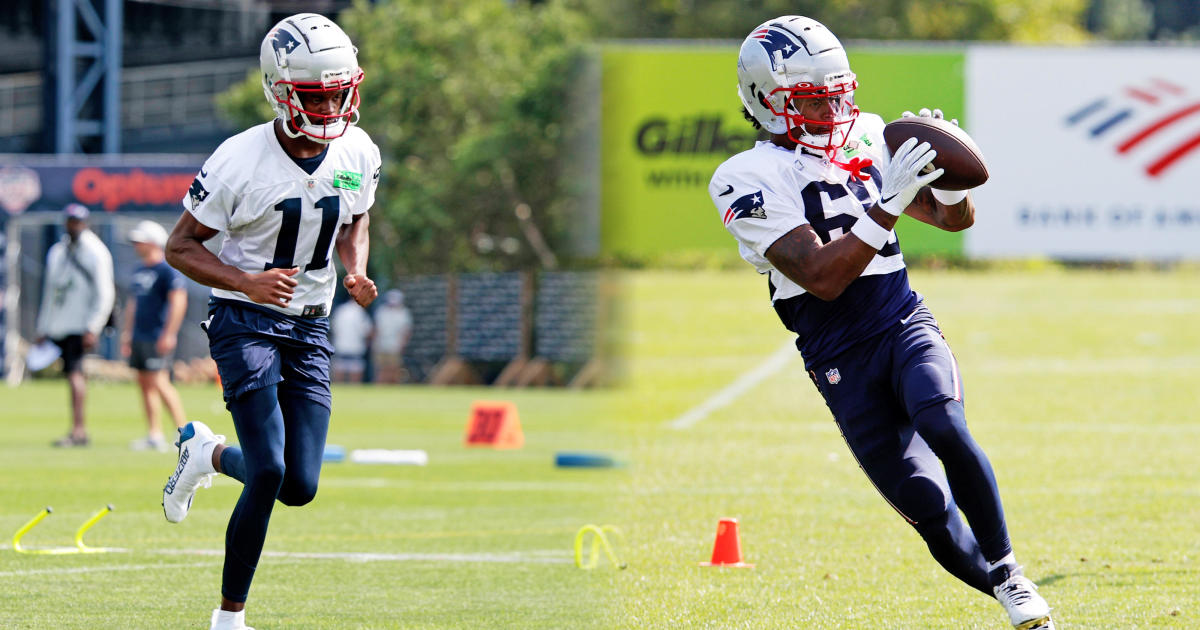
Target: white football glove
{"type": "Point", "coordinates": [946, 197]}
{"type": "Point", "coordinates": [929, 113]}
{"type": "Point", "coordinates": [902, 176]}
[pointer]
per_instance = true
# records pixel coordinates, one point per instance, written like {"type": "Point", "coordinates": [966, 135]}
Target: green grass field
{"type": "Point", "coordinates": [1081, 386]}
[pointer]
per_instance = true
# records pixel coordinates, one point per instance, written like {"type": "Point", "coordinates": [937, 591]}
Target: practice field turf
{"type": "Point", "coordinates": [1081, 385]}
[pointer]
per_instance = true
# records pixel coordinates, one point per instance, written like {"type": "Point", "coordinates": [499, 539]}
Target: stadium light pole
{"type": "Point", "coordinates": [101, 53]}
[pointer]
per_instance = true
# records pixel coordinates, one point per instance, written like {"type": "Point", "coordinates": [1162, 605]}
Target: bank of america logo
{"type": "Point", "coordinates": [1156, 123]}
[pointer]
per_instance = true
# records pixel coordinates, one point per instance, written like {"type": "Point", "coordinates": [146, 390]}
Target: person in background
{"type": "Point", "coordinates": [77, 300]}
{"type": "Point", "coordinates": [351, 328]}
{"type": "Point", "coordinates": [155, 309]}
{"type": "Point", "coordinates": [393, 328]}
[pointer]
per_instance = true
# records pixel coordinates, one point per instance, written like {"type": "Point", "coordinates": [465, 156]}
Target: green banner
{"type": "Point", "coordinates": [670, 116]}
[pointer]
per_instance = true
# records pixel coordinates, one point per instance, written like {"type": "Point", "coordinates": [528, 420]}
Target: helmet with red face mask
{"type": "Point", "coordinates": [794, 78]}
{"type": "Point", "coordinates": [305, 54]}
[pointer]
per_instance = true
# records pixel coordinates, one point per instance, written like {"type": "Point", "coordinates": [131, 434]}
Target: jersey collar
{"type": "Point", "coordinates": [277, 148]}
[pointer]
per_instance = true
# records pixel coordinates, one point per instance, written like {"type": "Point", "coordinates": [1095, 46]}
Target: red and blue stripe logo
{"type": "Point", "coordinates": [1157, 120]}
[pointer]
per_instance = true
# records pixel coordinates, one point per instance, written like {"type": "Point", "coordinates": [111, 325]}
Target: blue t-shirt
{"type": "Point", "coordinates": [150, 288]}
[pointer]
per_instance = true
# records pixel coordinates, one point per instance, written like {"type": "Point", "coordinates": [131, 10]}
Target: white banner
{"type": "Point", "coordinates": [1094, 153]}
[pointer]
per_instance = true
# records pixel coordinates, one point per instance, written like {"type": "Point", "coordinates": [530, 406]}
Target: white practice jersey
{"type": "Point", "coordinates": [272, 214]}
{"type": "Point", "coordinates": [767, 191]}
{"type": "Point", "coordinates": [78, 293]}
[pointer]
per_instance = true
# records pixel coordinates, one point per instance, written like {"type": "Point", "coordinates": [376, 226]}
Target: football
{"type": "Point", "coordinates": [957, 153]}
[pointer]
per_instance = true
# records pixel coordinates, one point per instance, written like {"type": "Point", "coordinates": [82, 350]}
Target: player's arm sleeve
{"type": "Point", "coordinates": [209, 200]}
{"type": "Point", "coordinates": [105, 292]}
{"type": "Point", "coordinates": [756, 214]}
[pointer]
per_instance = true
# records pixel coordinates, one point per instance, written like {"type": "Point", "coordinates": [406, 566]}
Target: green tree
{"type": "Point", "coordinates": [467, 102]}
{"type": "Point", "coordinates": [1123, 19]}
{"type": "Point", "coordinates": [998, 20]}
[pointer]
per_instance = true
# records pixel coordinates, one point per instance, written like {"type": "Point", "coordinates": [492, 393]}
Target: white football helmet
{"type": "Point", "coordinates": [308, 53]}
{"type": "Point", "coordinates": [787, 68]}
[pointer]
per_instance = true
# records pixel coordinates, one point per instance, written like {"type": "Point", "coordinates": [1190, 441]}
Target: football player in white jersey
{"type": "Point", "coordinates": [813, 208]}
{"type": "Point", "coordinates": [284, 196]}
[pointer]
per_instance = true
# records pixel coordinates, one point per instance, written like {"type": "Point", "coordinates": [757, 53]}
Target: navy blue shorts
{"type": "Point", "coordinates": [255, 347]}
{"type": "Point", "coordinates": [877, 386]}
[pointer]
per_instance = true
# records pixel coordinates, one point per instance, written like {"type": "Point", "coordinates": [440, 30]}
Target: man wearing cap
{"type": "Point", "coordinates": [76, 302]}
{"type": "Point", "coordinates": [155, 309]}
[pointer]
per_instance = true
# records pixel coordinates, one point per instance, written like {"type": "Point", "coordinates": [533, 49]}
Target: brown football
{"type": "Point", "coordinates": [956, 151]}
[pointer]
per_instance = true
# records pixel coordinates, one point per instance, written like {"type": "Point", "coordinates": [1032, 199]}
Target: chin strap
{"type": "Point", "coordinates": [857, 166]}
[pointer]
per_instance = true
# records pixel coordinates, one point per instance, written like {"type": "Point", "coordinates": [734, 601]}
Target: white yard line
{"type": "Point", "coordinates": [772, 364]}
{"type": "Point", "coordinates": [545, 556]}
{"type": "Point", "coordinates": [118, 567]}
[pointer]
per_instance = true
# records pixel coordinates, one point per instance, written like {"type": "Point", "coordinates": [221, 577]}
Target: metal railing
{"type": "Point", "coordinates": [181, 94]}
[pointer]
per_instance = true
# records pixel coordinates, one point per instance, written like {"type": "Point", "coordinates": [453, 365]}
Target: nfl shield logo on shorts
{"type": "Point", "coordinates": [833, 376]}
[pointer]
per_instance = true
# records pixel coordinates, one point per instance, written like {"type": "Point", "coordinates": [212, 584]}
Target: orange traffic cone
{"type": "Point", "coordinates": [727, 551]}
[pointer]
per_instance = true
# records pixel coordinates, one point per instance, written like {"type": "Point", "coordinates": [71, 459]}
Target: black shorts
{"type": "Point", "coordinates": [144, 357]}
{"type": "Point", "coordinates": [72, 352]}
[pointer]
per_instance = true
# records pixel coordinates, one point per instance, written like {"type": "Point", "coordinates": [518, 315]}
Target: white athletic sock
{"type": "Point", "coordinates": [1009, 560]}
{"type": "Point", "coordinates": [206, 451]}
{"type": "Point", "coordinates": [223, 619]}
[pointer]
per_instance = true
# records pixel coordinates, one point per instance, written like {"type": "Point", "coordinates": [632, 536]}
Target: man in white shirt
{"type": "Point", "coordinates": [76, 302]}
{"type": "Point", "coordinates": [350, 330]}
{"type": "Point", "coordinates": [393, 327]}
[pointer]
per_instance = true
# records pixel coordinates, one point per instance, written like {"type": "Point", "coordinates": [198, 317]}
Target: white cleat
{"type": "Point", "coordinates": [191, 472]}
{"type": "Point", "coordinates": [1026, 609]}
{"type": "Point", "coordinates": [237, 621]}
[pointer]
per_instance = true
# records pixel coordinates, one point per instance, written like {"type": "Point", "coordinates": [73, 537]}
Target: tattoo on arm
{"type": "Point", "coordinates": [823, 269]}
{"type": "Point", "coordinates": [792, 253]}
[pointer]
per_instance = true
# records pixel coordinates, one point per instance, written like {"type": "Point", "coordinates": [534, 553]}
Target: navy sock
{"type": "Point", "coordinates": [233, 463]}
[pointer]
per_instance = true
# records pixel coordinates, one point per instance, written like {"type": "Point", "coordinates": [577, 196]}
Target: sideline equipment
{"type": "Point", "coordinates": [599, 541]}
{"type": "Point", "coordinates": [79, 547]}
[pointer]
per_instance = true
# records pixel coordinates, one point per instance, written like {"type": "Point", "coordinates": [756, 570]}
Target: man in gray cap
{"type": "Point", "coordinates": [155, 309]}
{"type": "Point", "coordinates": [76, 302]}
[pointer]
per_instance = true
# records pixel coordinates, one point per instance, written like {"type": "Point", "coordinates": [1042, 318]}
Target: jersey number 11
{"type": "Point", "coordinates": [285, 245]}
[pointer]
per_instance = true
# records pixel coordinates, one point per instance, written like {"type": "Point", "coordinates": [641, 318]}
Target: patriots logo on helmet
{"type": "Point", "coordinates": [777, 39]}
{"type": "Point", "coordinates": [746, 207]}
{"type": "Point", "coordinates": [283, 42]}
